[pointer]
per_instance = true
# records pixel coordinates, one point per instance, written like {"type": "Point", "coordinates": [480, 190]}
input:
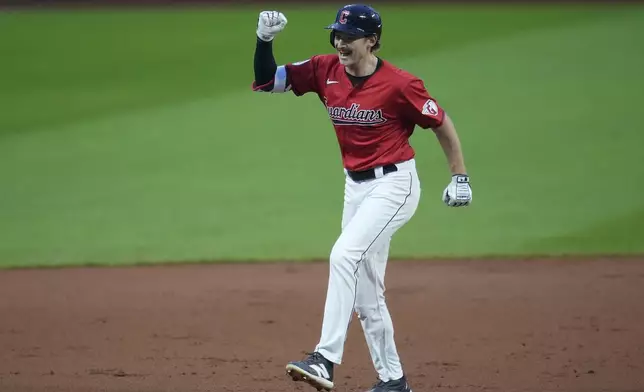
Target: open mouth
{"type": "Point", "coordinates": [345, 52]}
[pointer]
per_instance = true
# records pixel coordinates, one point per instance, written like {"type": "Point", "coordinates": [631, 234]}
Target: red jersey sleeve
{"type": "Point", "coordinates": [420, 107]}
{"type": "Point", "coordinates": [302, 76]}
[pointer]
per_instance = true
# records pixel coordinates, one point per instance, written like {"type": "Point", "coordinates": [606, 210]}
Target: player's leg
{"type": "Point", "coordinates": [377, 324]}
{"type": "Point", "coordinates": [374, 316]}
{"type": "Point", "coordinates": [315, 369]}
{"type": "Point", "coordinates": [391, 202]}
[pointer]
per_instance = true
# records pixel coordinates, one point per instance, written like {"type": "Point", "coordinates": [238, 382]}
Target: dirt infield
{"type": "Point", "coordinates": [539, 325]}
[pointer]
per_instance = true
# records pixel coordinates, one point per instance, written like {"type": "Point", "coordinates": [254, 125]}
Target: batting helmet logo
{"type": "Point", "coordinates": [343, 17]}
{"type": "Point", "coordinates": [357, 20]}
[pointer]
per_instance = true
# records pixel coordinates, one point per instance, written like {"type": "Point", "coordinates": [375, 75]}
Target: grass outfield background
{"type": "Point", "coordinates": [133, 136]}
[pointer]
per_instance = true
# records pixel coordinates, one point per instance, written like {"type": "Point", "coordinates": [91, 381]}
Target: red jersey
{"type": "Point", "coordinates": [374, 120]}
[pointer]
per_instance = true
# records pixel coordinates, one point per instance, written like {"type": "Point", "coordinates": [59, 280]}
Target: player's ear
{"type": "Point", "coordinates": [373, 42]}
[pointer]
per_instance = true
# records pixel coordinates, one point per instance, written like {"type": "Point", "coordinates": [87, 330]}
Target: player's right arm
{"type": "Point", "coordinates": [298, 77]}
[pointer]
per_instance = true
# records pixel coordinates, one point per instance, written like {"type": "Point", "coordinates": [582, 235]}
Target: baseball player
{"type": "Point", "coordinates": [374, 108]}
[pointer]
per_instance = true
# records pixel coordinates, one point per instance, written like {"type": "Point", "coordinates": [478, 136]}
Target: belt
{"type": "Point", "coordinates": [370, 174]}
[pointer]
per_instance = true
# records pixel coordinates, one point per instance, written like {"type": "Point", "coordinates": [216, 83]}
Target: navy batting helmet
{"type": "Point", "coordinates": [358, 20]}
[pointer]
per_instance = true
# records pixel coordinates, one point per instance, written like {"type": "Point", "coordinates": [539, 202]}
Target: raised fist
{"type": "Point", "coordinates": [269, 24]}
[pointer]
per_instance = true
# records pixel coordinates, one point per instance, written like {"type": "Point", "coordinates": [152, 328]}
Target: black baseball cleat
{"type": "Point", "coordinates": [315, 370]}
{"type": "Point", "coordinates": [399, 385]}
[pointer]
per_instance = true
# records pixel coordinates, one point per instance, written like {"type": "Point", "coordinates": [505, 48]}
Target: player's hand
{"type": "Point", "coordinates": [458, 193]}
{"type": "Point", "coordinates": [269, 24]}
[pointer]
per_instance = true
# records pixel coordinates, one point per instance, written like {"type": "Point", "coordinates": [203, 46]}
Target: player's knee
{"type": "Point", "coordinates": [366, 311]}
{"type": "Point", "coordinates": [342, 256]}
{"type": "Point", "coordinates": [337, 257]}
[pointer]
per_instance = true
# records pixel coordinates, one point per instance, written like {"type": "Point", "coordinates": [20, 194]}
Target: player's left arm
{"type": "Point", "coordinates": [424, 111]}
{"type": "Point", "coordinates": [451, 145]}
{"type": "Point", "coordinates": [458, 193]}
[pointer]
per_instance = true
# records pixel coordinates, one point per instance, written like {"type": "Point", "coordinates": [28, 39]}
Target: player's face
{"type": "Point", "coordinates": [352, 49]}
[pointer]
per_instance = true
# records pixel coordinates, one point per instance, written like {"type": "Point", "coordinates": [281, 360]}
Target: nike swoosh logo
{"type": "Point", "coordinates": [331, 81]}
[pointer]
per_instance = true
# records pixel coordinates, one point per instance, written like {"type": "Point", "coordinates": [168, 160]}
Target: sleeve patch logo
{"type": "Point", "coordinates": [430, 108]}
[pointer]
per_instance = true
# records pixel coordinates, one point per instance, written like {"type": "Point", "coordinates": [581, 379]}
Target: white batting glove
{"type": "Point", "coordinates": [269, 24]}
{"type": "Point", "coordinates": [458, 193]}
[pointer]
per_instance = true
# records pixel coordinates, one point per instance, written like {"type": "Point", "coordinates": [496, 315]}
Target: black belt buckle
{"type": "Point", "coordinates": [370, 174]}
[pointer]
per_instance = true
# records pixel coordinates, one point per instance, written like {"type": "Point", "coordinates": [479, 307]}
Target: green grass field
{"type": "Point", "coordinates": [133, 136]}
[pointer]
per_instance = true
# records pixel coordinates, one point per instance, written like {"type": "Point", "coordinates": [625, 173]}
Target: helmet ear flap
{"type": "Point", "coordinates": [332, 38]}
